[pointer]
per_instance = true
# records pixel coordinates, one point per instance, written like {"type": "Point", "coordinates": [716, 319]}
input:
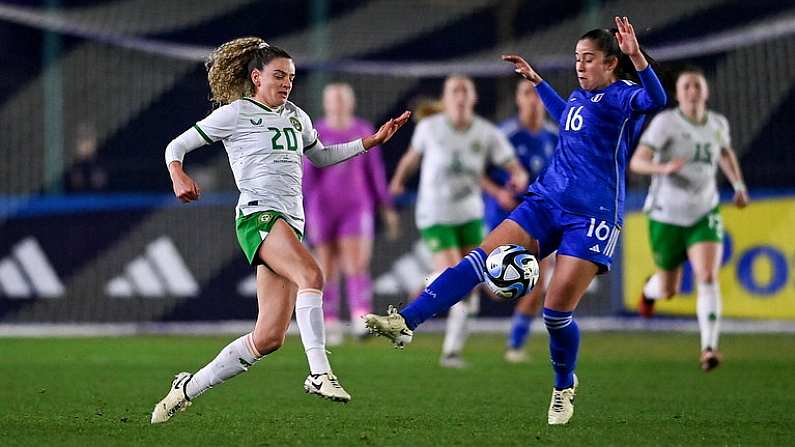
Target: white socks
{"type": "Point", "coordinates": [237, 356]}
{"type": "Point", "coordinates": [234, 359]}
{"type": "Point", "coordinates": [708, 309]}
{"type": "Point", "coordinates": [457, 327]}
{"type": "Point", "coordinates": [309, 315]}
{"type": "Point", "coordinates": [651, 289]}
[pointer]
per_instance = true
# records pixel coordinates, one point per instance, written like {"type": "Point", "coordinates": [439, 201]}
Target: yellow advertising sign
{"type": "Point", "coordinates": [756, 278]}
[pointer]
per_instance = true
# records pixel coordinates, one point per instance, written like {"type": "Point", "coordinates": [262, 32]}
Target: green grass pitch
{"type": "Point", "coordinates": [635, 389]}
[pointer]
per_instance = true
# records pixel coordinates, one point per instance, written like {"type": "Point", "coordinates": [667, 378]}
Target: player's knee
{"type": "Point", "coordinates": [707, 277]}
{"type": "Point", "coordinates": [667, 291]}
{"type": "Point", "coordinates": [268, 341]}
{"type": "Point", "coordinates": [311, 277]}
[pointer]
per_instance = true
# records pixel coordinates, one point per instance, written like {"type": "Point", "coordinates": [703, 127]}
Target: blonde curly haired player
{"type": "Point", "coordinates": [266, 137]}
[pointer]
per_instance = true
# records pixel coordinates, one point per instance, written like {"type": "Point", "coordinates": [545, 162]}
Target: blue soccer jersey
{"type": "Point", "coordinates": [597, 130]}
{"type": "Point", "coordinates": [533, 150]}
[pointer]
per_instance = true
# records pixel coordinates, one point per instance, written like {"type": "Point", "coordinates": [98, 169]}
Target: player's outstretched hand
{"type": "Point", "coordinates": [627, 40]}
{"type": "Point", "coordinates": [185, 188]}
{"type": "Point", "coordinates": [521, 67]}
{"type": "Point", "coordinates": [386, 131]}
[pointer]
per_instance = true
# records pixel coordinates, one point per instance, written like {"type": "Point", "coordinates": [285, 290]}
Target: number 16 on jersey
{"type": "Point", "coordinates": [574, 120]}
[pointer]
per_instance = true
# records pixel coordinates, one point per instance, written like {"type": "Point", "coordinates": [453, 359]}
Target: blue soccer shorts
{"type": "Point", "coordinates": [570, 234]}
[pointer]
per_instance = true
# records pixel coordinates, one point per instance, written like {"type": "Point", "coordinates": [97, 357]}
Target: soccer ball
{"type": "Point", "coordinates": [511, 271]}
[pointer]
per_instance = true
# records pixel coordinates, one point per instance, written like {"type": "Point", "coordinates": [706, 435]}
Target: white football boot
{"type": "Point", "coordinates": [391, 326]}
{"type": "Point", "coordinates": [453, 360]}
{"type": "Point", "coordinates": [176, 400]}
{"type": "Point", "coordinates": [326, 385]}
{"type": "Point", "coordinates": [561, 408]}
{"type": "Point", "coordinates": [516, 356]}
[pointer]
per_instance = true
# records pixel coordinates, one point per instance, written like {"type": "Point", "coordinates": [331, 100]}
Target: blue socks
{"type": "Point", "coordinates": [456, 282]}
{"type": "Point", "coordinates": [453, 285]}
{"type": "Point", "coordinates": [520, 328]}
{"type": "Point", "coordinates": [564, 342]}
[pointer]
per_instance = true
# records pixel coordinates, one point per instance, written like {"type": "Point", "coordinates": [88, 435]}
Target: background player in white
{"type": "Point", "coordinates": [454, 148]}
{"type": "Point", "coordinates": [681, 150]}
{"type": "Point", "coordinates": [265, 137]}
{"type": "Point", "coordinates": [534, 140]}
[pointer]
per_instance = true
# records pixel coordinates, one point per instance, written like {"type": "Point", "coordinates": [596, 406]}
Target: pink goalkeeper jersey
{"type": "Point", "coordinates": [355, 185]}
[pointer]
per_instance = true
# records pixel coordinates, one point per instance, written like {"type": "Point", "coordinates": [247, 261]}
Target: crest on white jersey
{"type": "Point", "coordinates": [297, 124]}
{"type": "Point", "coordinates": [597, 97]}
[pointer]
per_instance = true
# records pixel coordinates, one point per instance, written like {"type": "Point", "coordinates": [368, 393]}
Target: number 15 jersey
{"type": "Point", "coordinates": [684, 197]}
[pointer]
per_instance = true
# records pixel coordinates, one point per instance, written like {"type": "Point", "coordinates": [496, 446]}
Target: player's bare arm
{"type": "Point", "coordinates": [407, 165]}
{"type": "Point", "coordinates": [731, 169]}
{"type": "Point", "coordinates": [643, 163]}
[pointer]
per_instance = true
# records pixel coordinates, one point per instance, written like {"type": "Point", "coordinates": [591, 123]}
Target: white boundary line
{"type": "Point", "coordinates": [739, 37]}
{"type": "Point", "coordinates": [481, 325]}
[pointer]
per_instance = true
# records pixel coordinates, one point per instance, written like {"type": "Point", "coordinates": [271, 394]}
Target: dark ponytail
{"type": "Point", "coordinates": [605, 40]}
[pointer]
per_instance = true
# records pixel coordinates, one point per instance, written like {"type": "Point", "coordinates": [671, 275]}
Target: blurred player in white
{"type": "Point", "coordinates": [265, 137]}
{"type": "Point", "coordinates": [682, 149]}
{"type": "Point", "coordinates": [454, 147]}
{"type": "Point", "coordinates": [534, 140]}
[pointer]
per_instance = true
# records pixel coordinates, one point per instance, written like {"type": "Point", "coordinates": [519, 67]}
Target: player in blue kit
{"type": "Point", "coordinates": [575, 206]}
{"type": "Point", "coordinates": [534, 139]}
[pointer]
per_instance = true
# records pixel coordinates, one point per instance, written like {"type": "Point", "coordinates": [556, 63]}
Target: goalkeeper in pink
{"type": "Point", "coordinates": [340, 203]}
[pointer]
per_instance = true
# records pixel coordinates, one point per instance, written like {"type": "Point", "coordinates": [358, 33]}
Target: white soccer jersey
{"type": "Point", "coordinates": [265, 148]}
{"type": "Point", "coordinates": [685, 197]}
{"type": "Point", "coordinates": [452, 165]}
